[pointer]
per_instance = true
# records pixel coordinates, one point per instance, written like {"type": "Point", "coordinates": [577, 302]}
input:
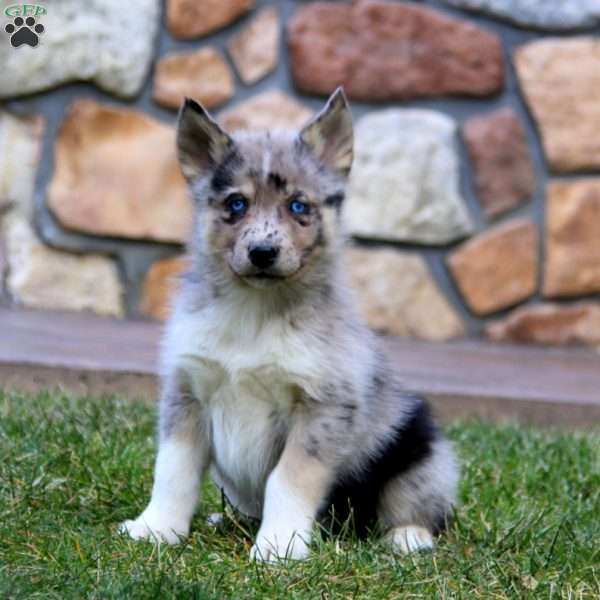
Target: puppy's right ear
{"type": "Point", "coordinates": [329, 134]}
{"type": "Point", "coordinates": [201, 143]}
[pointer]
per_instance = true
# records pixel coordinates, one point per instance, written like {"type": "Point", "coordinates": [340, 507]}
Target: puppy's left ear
{"type": "Point", "coordinates": [329, 135]}
{"type": "Point", "coordinates": [201, 143]}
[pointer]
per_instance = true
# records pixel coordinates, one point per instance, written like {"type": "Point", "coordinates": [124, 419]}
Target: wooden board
{"type": "Point", "coordinates": [90, 354]}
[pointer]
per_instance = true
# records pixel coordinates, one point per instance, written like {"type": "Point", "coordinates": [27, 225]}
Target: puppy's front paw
{"type": "Point", "coordinates": [152, 527]}
{"type": "Point", "coordinates": [273, 545]}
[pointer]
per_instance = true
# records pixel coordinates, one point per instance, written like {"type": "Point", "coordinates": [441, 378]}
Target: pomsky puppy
{"type": "Point", "coordinates": [270, 380]}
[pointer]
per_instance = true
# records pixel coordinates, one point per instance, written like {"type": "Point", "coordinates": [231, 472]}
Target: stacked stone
{"type": "Point", "coordinates": [435, 254]}
{"type": "Point", "coordinates": [116, 176]}
{"type": "Point", "coordinates": [404, 187]}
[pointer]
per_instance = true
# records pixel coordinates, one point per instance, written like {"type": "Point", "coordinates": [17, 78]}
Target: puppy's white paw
{"type": "Point", "coordinates": [215, 519]}
{"type": "Point", "coordinates": [274, 545]}
{"type": "Point", "coordinates": [411, 538]}
{"type": "Point", "coordinates": [152, 527]}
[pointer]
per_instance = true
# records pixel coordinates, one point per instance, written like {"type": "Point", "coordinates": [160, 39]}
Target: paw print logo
{"type": "Point", "coordinates": [24, 31]}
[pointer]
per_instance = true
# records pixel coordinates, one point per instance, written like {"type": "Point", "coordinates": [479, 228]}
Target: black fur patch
{"type": "Point", "coordinates": [335, 200]}
{"type": "Point", "coordinates": [223, 176]}
{"type": "Point", "coordinates": [277, 181]}
{"type": "Point", "coordinates": [441, 523]}
{"type": "Point", "coordinates": [356, 495]}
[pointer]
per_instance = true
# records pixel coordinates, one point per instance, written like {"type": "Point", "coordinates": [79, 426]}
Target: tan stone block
{"type": "Point", "coordinates": [572, 239]}
{"type": "Point", "coordinates": [194, 18]}
{"type": "Point", "coordinates": [560, 79]}
{"type": "Point", "coordinates": [44, 278]}
{"type": "Point", "coordinates": [160, 285]}
{"type": "Point", "coordinates": [397, 295]}
{"type": "Point", "coordinates": [269, 110]}
{"type": "Point", "coordinates": [255, 49]}
{"type": "Point", "coordinates": [116, 174]}
{"type": "Point", "coordinates": [497, 268]}
{"type": "Point", "coordinates": [554, 324]}
{"type": "Point", "coordinates": [202, 75]}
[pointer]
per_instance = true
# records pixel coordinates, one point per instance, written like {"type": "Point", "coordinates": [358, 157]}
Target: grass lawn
{"type": "Point", "coordinates": [528, 525]}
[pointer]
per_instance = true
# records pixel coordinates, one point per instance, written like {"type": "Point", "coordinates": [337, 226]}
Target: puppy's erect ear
{"type": "Point", "coordinates": [329, 135]}
{"type": "Point", "coordinates": [201, 143]}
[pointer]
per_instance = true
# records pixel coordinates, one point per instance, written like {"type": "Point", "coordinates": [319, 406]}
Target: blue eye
{"type": "Point", "coordinates": [237, 204]}
{"type": "Point", "coordinates": [298, 207]}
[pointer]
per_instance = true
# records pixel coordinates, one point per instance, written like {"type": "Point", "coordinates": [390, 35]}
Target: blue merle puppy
{"type": "Point", "coordinates": [270, 380]}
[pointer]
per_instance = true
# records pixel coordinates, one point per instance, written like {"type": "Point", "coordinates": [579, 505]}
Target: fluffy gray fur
{"type": "Point", "coordinates": [271, 381]}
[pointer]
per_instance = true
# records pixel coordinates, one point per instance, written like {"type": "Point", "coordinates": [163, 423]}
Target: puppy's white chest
{"type": "Point", "coordinates": [249, 419]}
{"type": "Point", "coordinates": [247, 376]}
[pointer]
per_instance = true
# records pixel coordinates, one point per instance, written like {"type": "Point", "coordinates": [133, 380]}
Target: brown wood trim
{"type": "Point", "coordinates": [483, 369]}
{"type": "Point", "coordinates": [78, 340]}
{"type": "Point", "coordinates": [36, 378]}
{"type": "Point", "coordinates": [94, 355]}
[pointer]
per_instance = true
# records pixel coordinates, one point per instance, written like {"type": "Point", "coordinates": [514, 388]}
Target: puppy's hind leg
{"type": "Point", "coordinates": [416, 504]}
{"type": "Point", "coordinates": [182, 459]}
{"type": "Point", "coordinates": [409, 538]}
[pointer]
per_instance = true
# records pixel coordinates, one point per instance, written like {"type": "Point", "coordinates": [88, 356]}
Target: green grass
{"type": "Point", "coordinates": [528, 525]}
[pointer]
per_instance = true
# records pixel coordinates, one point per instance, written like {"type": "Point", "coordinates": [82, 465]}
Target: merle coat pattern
{"type": "Point", "coordinates": [270, 380]}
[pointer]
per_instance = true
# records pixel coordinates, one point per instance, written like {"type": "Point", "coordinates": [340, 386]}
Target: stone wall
{"type": "Point", "coordinates": [474, 203]}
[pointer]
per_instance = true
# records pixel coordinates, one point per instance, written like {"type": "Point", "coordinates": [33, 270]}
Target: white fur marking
{"type": "Point", "coordinates": [234, 337]}
{"type": "Point", "coordinates": [286, 529]}
{"type": "Point", "coordinates": [410, 539]}
{"type": "Point", "coordinates": [266, 164]}
{"type": "Point", "coordinates": [242, 438]}
{"type": "Point", "coordinates": [174, 495]}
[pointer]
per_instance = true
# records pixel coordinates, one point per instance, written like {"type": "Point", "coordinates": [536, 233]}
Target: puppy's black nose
{"type": "Point", "coordinates": [263, 256]}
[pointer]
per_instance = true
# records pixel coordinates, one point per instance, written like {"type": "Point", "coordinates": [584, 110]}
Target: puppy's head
{"type": "Point", "coordinates": [268, 202]}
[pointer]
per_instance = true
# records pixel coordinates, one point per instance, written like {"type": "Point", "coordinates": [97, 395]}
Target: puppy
{"type": "Point", "coordinates": [270, 380]}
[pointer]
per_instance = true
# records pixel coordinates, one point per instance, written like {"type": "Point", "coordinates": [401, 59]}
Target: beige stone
{"type": "Point", "coordinates": [497, 268]}
{"type": "Point", "coordinates": [398, 296]}
{"type": "Point", "coordinates": [555, 324]}
{"type": "Point", "coordinates": [109, 43]}
{"type": "Point", "coordinates": [547, 15]}
{"type": "Point", "coordinates": [160, 285]}
{"type": "Point", "coordinates": [560, 79]}
{"type": "Point", "coordinates": [404, 184]}
{"type": "Point", "coordinates": [202, 75]}
{"type": "Point", "coordinates": [116, 174]}
{"type": "Point", "coordinates": [20, 149]}
{"type": "Point", "coordinates": [3, 261]}
{"type": "Point", "coordinates": [40, 277]}
{"type": "Point", "coordinates": [269, 110]}
{"type": "Point", "coordinates": [194, 18]}
{"type": "Point", "coordinates": [572, 264]}
{"type": "Point", "coordinates": [255, 49]}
